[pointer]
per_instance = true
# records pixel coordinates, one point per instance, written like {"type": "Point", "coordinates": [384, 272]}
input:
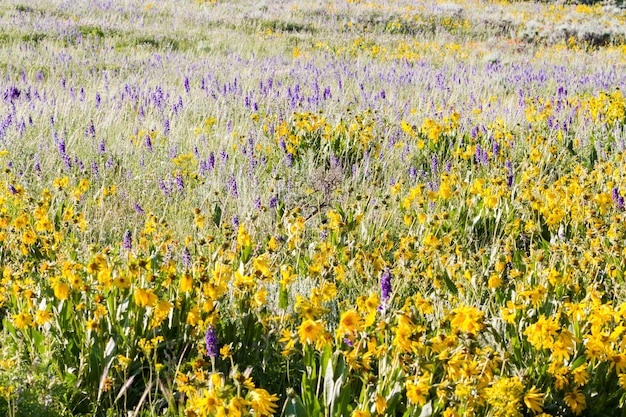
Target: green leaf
{"type": "Point", "coordinates": [283, 298]}
{"type": "Point", "coordinates": [217, 215]}
{"type": "Point", "coordinates": [9, 326]}
{"type": "Point", "coordinates": [38, 340]}
{"type": "Point", "coordinates": [246, 253]}
{"type": "Point", "coordinates": [453, 289]}
{"type": "Point", "coordinates": [295, 408]}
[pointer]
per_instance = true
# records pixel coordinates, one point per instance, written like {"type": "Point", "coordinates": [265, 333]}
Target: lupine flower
{"type": "Point", "coordinates": [385, 287]}
{"type": "Point", "coordinates": [138, 208]}
{"type": "Point", "coordinates": [186, 257]}
{"type": "Point", "coordinates": [128, 240]}
{"type": "Point", "coordinates": [210, 339]}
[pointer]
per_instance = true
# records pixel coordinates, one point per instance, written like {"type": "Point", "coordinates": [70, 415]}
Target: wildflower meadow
{"type": "Point", "coordinates": [312, 208]}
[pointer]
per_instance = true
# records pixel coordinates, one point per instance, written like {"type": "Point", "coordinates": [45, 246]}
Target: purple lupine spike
{"type": "Point", "coordinates": [620, 203]}
{"type": "Point", "coordinates": [479, 153]}
{"type": "Point", "coordinates": [186, 257]}
{"type": "Point", "coordinates": [385, 287]}
{"type": "Point", "coordinates": [236, 222]}
{"type": "Point", "coordinates": [179, 182]}
{"type": "Point", "coordinates": [148, 143]}
{"type": "Point", "coordinates": [186, 84]}
{"type": "Point", "coordinates": [495, 148]}
{"type": "Point", "coordinates": [128, 240]}
{"type": "Point", "coordinates": [95, 171]}
{"type": "Point", "coordinates": [615, 194]}
{"type": "Point", "coordinates": [138, 209]}
{"type": "Point", "coordinates": [211, 342]}
{"type": "Point", "coordinates": [412, 172]}
{"type": "Point", "coordinates": [273, 202]}
{"type": "Point", "coordinates": [91, 130]}
{"type": "Point", "coordinates": [166, 127]}
{"type": "Point", "coordinates": [434, 164]}
{"type": "Point", "coordinates": [257, 203]}
{"type": "Point", "coordinates": [164, 188]}
{"type": "Point", "coordinates": [232, 184]}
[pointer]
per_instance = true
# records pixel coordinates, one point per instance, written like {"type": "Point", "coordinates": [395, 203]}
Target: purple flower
{"type": "Point", "coordinates": [615, 194]}
{"type": "Point", "coordinates": [434, 164]}
{"type": "Point", "coordinates": [273, 202]}
{"type": "Point", "coordinates": [211, 342]}
{"type": "Point", "coordinates": [236, 222]}
{"type": "Point", "coordinates": [179, 182]}
{"type": "Point", "coordinates": [138, 209]}
{"type": "Point", "coordinates": [186, 257]}
{"type": "Point", "coordinates": [95, 171]}
{"type": "Point", "coordinates": [385, 286]}
{"type": "Point", "coordinates": [128, 240]}
{"type": "Point", "coordinates": [232, 184]}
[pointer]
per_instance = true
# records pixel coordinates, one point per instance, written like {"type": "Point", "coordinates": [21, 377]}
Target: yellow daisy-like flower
{"type": "Point", "coordinates": [22, 320]}
{"type": "Point", "coordinates": [576, 401]}
{"type": "Point", "coordinates": [262, 402]}
{"type": "Point", "coordinates": [145, 298]}
{"type": "Point", "coordinates": [417, 392]}
{"type": "Point", "coordinates": [351, 322]}
{"type": "Point", "coordinates": [534, 400]}
{"type": "Point", "coordinates": [310, 331]}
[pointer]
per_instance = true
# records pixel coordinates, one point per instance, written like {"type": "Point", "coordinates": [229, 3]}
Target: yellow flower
{"type": "Point", "coordinates": [534, 400]}
{"type": "Point", "coordinates": [61, 290]}
{"type": "Point", "coordinates": [22, 320]}
{"type": "Point", "coordinates": [417, 392]}
{"type": "Point", "coordinates": [351, 322]}
{"type": "Point", "coordinates": [310, 331]}
{"type": "Point", "coordinates": [29, 237]}
{"type": "Point", "coordinates": [360, 413]}
{"type": "Point", "coordinates": [576, 401]}
{"type": "Point", "coordinates": [467, 319]}
{"type": "Point", "coordinates": [226, 351]}
{"type": "Point", "coordinates": [43, 316]}
{"type": "Point", "coordinates": [262, 264]}
{"type": "Point", "coordinates": [504, 397]}
{"type": "Point", "coordinates": [145, 298]}
{"type": "Point", "coordinates": [122, 282]}
{"type": "Point", "coordinates": [381, 404]}
{"type": "Point", "coordinates": [186, 283]}
{"type": "Point", "coordinates": [262, 402]}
